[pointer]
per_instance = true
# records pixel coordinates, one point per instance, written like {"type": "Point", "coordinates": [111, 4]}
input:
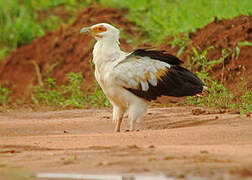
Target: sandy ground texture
{"type": "Point", "coordinates": [182, 142]}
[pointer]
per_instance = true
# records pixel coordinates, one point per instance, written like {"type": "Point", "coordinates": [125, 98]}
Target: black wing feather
{"type": "Point", "coordinates": [177, 82]}
{"type": "Point", "coordinates": [157, 55]}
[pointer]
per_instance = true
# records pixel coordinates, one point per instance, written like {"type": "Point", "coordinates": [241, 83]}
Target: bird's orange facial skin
{"type": "Point", "coordinates": [98, 29]}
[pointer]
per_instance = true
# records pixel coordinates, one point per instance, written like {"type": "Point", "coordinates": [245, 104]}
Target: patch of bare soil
{"type": "Point", "coordinates": [181, 142]}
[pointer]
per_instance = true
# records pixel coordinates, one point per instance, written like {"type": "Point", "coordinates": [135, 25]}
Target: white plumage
{"type": "Point", "coordinates": [129, 80]}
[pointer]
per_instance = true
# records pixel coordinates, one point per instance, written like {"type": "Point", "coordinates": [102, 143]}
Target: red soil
{"type": "Point", "coordinates": [227, 34]}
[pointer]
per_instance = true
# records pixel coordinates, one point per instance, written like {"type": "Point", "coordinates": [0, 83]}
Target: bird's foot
{"type": "Point", "coordinates": [128, 130]}
{"type": "Point", "coordinates": [117, 130]}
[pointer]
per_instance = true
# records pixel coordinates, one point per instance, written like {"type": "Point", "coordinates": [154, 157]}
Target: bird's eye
{"type": "Point", "coordinates": [99, 29]}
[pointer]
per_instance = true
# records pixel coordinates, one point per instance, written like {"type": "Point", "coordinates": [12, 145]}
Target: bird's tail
{"type": "Point", "coordinates": [204, 92]}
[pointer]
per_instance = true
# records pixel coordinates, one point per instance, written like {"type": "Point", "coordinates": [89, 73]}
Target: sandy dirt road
{"type": "Point", "coordinates": [181, 142]}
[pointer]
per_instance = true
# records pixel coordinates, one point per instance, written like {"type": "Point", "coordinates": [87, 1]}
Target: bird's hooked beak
{"type": "Point", "coordinates": [94, 31]}
{"type": "Point", "coordinates": [86, 30]}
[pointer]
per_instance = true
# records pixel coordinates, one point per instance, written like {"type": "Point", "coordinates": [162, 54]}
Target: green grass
{"type": "Point", "coordinates": [219, 96]}
{"type": "Point", "coordinates": [5, 95]}
{"type": "Point", "coordinates": [51, 94]}
{"type": "Point", "coordinates": [19, 24]}
{"type": "Point", "coordinates": [69, 94]}
{"type": "Point", "coordinates": [238, 47]}
{"type": "Point", "coordinates": [163, 18]}
{"type": "Point", "coordinates": [97, 98]}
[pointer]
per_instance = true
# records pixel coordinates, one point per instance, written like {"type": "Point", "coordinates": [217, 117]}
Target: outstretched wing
{"type": "Point", "coordinates": [150, 74]}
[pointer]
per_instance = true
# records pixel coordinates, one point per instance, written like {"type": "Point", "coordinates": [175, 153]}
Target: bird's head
{"type": "Point", "coordinates": [102, 31]}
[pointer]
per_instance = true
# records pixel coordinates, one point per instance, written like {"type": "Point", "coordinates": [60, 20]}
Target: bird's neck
{"type": "Point", "coordinates": [106, 51]}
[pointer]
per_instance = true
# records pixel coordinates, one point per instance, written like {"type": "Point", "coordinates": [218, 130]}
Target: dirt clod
{"type": "Point", "coordinates": [133, 147]}
{"type": "Point", "coordinates": [204, 152]}
{"type": "Point", "coordinates": [198, 111]}
{"type": "Point", "coordinates": [151, 146]}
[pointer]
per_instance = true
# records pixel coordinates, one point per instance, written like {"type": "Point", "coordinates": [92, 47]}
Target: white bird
{"type": "Point", "coordinates": [130, 80]}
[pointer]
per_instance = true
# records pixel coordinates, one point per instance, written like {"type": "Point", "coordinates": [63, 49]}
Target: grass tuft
{"type": "Point", "coordinates": [5, 95]}
{"type": "Point", "coordinates": [68, 95]}
{"type": "Point", "coordinates": [219, 96]}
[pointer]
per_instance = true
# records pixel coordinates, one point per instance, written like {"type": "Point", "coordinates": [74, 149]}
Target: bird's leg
{"type": "Point", "coordinates": [136, 111]}
{"type": "Point", "coordinates": [132, 125]}
{"type": "Point", "coordinates": [117, 117]}
{"type": "Point", "coordinates": [118, 124]}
